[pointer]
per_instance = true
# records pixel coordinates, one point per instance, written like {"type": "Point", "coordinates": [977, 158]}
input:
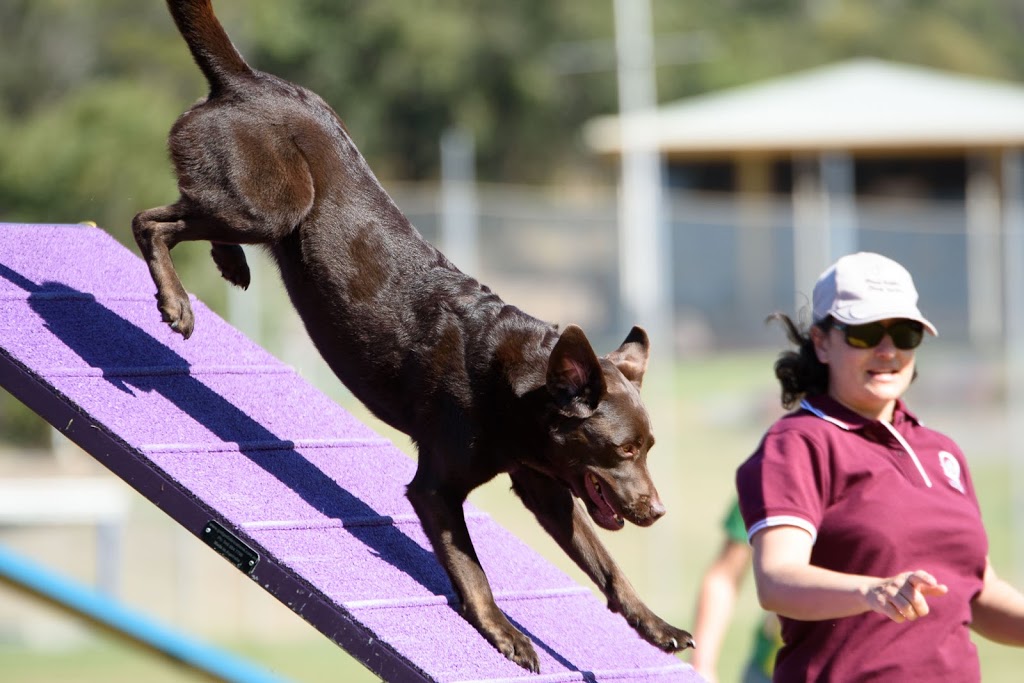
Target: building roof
{"type": "Point", "coordinates": [858, 105]}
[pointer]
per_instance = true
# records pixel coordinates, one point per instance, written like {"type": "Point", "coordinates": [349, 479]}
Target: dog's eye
{"type": "Point", "coordinates": [630, 450]}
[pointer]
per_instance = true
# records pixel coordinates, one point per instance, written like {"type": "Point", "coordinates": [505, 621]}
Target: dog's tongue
{"type": "Point", "coordinates": [604, 514]}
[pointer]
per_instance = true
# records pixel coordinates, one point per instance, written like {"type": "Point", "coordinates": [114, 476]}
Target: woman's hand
{"type": "Point", "coordinates": [904, 597]}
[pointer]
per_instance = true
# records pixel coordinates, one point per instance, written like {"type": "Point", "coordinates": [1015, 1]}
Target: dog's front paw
{"type": "Point", "coordinates": [665, 636]}
{"type": "Point", "coordinates": [506, 638]}
{"type": "Point", "coordinates": [517, 647]}
{"type": "Point", "coordinates": [649, 625]}
{"type": "Point", "coordinates": [176, 311]}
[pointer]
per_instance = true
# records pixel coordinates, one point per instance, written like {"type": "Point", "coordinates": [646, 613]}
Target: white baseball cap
{"type": "Point", "coordinates": [866, 287]}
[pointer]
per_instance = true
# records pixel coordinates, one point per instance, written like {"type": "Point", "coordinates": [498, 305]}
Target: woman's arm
{"type": "Point", "coordinates": [789, 585]}
{"type": "Point", "coordinates": [715, 605]}
{"type": "Point", "coordinates": [997, 612]}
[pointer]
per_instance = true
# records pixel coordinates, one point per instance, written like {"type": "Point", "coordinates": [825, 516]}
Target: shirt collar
{"type": "Point", "coordinates": [827, 408]}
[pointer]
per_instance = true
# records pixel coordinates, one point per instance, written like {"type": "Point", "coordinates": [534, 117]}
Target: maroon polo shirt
{"type": "Point", "coordinates": [878, 499]}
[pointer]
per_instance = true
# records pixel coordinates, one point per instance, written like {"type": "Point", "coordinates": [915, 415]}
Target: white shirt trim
{"type": "Point", "coordinates": [899, 437]}
{"type": "Point", "coordinates": [828, 418]}
{"type": "Point", "coordinates": [908, 449]}
{"type": "Point", "coordinates": [783, 520]}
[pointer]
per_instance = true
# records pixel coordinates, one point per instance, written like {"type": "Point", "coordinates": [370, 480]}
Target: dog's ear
{"type": "Point", "coordinates": [574, 377]}
{"type": "Point", "coordinates": [631, 357]}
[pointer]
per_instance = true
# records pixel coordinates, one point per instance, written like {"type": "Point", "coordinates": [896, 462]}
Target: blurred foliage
{"type": "Point", "coordinates": [88, 90]}
{"type": "Point", "coordinates": [19, 426]}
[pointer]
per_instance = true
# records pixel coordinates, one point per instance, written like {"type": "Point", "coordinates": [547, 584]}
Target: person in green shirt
{"type": "Point", "coordinates": [719, 589]}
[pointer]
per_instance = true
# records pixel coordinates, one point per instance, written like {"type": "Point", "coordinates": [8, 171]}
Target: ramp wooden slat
{"type": "Point", "coordinates": [303, 497]}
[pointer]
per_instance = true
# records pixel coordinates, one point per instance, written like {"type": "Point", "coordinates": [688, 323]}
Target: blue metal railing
{"type": "Point", "coordinates": [30, 577]}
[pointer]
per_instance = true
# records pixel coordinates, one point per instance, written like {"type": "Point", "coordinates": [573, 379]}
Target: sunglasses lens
{"type": "Point", "coordinates": [906, 334]}
{"type": "Point", "coordinates": [864, 336]}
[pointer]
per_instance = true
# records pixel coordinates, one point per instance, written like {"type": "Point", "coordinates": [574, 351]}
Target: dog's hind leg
{"type": "Point", "coordinates": [158, 230]}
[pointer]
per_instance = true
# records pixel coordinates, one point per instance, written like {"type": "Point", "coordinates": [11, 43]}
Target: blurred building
{"type": "Point", "coordinates": [770, 182]}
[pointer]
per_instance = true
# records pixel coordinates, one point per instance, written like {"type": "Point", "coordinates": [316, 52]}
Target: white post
{"type": "Point", "coordinates": [811, 243]}
{"type": "Point", "coordinates": [839, 198]}
{"type": "Point", "coordinates": [984, 267]}
{"type": "Point", "coordinates": [642, 253]}
{"type": "Point", "coordinates": [824, 218]}
{"type": "Point", "coordinates": [459, 224]}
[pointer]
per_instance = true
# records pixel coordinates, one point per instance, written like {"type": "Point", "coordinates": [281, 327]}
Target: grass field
{"type": "Point", "coordinates": [718, 408]}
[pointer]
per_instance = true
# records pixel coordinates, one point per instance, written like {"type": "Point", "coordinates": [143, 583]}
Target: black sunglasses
{"type": "Point", "coordinates": [905, 334]}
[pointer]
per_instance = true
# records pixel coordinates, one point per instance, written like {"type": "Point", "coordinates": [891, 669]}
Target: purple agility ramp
{"type": "Point", "coordinates": [275, 476]}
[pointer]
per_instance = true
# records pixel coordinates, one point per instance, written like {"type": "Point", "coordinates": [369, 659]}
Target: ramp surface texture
{"type": "Point", "coordinates": [274, 475]}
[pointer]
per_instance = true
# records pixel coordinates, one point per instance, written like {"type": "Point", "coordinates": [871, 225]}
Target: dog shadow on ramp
{"type": "Point", "coordinates": [190, 397]}
{"type": "Point", "coordinates": [273, 454]}
{"type": "Point", "coordinates": [317, 494]}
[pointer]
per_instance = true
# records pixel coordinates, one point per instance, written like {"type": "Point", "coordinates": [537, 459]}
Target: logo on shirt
{"type": "Point", "coordinates": [951, 468]}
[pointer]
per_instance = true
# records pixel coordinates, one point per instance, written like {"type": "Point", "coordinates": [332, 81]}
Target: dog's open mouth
{"type": "Point", "coordinates": [601, 509]}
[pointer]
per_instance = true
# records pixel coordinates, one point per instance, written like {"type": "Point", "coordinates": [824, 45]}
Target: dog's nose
{"type": "Point", "coordinates": [657, 509]}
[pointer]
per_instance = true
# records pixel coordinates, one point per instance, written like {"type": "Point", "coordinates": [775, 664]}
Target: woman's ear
{"type": "Point", "coordinates": [820, 339]}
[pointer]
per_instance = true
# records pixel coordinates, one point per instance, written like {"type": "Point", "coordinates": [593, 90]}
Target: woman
{"type": "Point", "coordinates": [866, 533]}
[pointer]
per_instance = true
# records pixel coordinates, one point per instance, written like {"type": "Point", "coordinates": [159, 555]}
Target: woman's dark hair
{"type": "Point", "coordinates": [799, 372]}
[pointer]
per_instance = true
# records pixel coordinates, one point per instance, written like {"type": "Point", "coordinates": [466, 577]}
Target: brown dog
{"type": "Point", "coordinates": [481, 387]}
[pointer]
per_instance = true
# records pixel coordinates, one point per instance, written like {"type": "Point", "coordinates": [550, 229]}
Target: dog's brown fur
{"type": "Point", "coordinates": [481, 387]}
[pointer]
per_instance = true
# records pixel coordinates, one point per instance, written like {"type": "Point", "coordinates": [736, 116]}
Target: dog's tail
{"type": "Point", "coordinates": [211, 48]}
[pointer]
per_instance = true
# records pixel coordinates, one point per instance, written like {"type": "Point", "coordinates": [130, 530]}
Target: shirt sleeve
{"type": "Point", "coordinates": [784, 483]}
